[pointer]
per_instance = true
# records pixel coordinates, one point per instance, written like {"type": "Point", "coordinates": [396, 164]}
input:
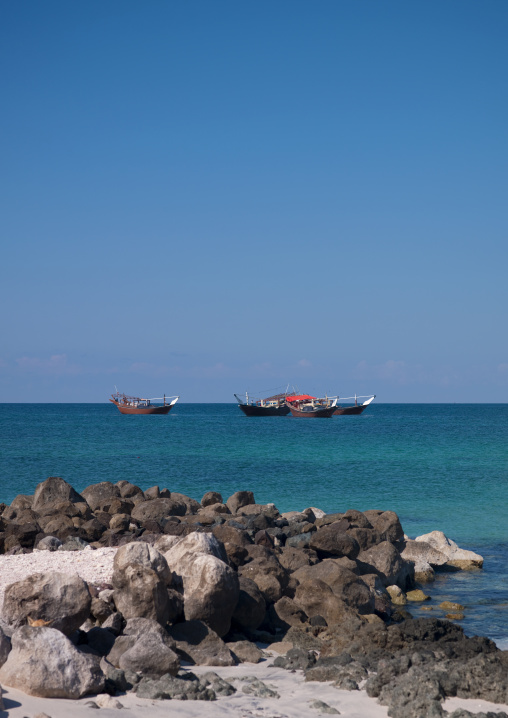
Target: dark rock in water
{"type": "Point", "coordinates": [59, 600]}
{"type": "Point", "coordinates": [197, 643]}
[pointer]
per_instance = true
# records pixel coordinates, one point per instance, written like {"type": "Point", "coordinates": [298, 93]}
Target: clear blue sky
{"type": "Point", "coordinates": [202, 197]}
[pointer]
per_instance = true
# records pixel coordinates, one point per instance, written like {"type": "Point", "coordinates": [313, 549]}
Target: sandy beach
{"type": "Point", "coordinates": [297, 699]}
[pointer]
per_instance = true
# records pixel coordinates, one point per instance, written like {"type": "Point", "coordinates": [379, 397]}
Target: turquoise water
{"type": "Point", "coordinates": [438, 466]}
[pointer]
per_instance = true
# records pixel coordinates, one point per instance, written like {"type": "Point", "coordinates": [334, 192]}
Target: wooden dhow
{"type": "Point", "coordinates": [355, 408]}
{"type": "Point", "coordinates": [271, 406]}
{"type": "Point", "coordinates": [135, 405]}
{"type": "Point", "coordinates": [304, 406]}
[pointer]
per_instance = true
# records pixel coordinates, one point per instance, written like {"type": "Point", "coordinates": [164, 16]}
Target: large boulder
{"type": "Point", "coordinates": [211, 498]}
{"type": "Point", "coordinates": [54, 491]}
{"type": "Point", "coordinates": [60, 600]}
{"type": "Point", "coordinates": [97, 494]}
{"type": "Point", "coordinates": [238, 500]}
{"type": "Point", "coordinates": [344, 583]}
{"type": "Point", "coordinates": [139, 592]}
{"type": "Point", "coordinates": [387, 524]}
{"type": "Point", "coordinates": [385, 560]}
{"type": "Point", "coordinates": [316, 598]}
{"type": "Point", "coordinates": [195, 543]}
{"type": "Point", "coordinates": [146, 648]}
{"type": "Point", "coordinates": [267, 572]}
{"type": "Point", "coordinates": [250, 609]}
{"type": "Point", "coordinates": [424, 557]}
{"type": "Point", "coordinates": [201, 645]}
{"type": "Point", "coordinates": [142, 554]}
{"type": "Point", "coordinates": [158, 509]}
{"type": "Point", "coordinates": [333, 541]}
{"type": "Point", "coordinates": [43, 662]}
{"type": "Point", "coordinates": [210, 590]}
{"type": "Point", "coordinates": [456, 556]}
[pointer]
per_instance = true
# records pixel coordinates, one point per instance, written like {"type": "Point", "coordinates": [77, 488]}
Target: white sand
{"type": "Point", "coordinates": [295, 698]}
{"type": "Point", "coordinates": [94, 566]}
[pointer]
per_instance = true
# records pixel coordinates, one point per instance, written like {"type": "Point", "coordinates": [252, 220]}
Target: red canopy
{"type": "Point", "coordinates": [300, 397]}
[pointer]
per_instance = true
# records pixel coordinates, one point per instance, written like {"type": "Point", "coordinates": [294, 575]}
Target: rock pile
{"type": "Point", "coordinates": [202, 582]}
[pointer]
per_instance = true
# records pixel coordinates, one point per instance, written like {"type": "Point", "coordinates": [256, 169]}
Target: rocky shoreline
{"type": "Point", "coordinates": [186, 584]}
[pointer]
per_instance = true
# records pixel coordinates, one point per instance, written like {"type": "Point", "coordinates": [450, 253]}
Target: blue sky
{"type": "Point", "coordinates": [201, 197]}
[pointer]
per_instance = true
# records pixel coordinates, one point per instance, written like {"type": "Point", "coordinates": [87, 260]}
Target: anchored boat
{"type": "Point", "coordinates": [304, 406]}
{"type": "Point", "coordinates": [136, 405]}
{"type": "Point", "coordinates": [356, 408]}
{"type": "Point", "coordinates": [271, 406]}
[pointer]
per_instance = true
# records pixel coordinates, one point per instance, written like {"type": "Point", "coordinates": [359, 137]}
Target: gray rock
{"type": "Point", "coordinates": [158, 509]}
{"type": "Point", "coordinates": [59, 671]}
{"type": "Point", "coordinates": [197, 643]}
{"type": "Point", "coordinates": [210, 498]}
{"type": "Point", "coordinates": [150, 654]}
{"type": "Point", "coordinates": [49, 543]}
{"type": "Point", "coordinates": [211, 590]}
{"type": "Point", "coordinates": [97, 494]}
{"type": "Point", "coordinates": [245, 651]}
{"type": "Point", "coordinates": [324, 708]}
{"type": "Point", "coordinates": [239, 499]}
{"type": "Point", "coordinates": [142, 554]}
{"type": "Point", "coordinates": [332, 541]}
{"type": "Point", "coordinates": [250, 609]}
{"type": "Point", "coordinates": [52, 491]}
{"type": "Point", "coordinates": [141, 593]}
{"type": "Point", "coordinates": [257, 688]}
{"type": "Point", "coordinates": [59, 600]}
{"type": "Point", "coordinates": [5, 647]}
{"type": "Point", "coordinates": [387, 561]}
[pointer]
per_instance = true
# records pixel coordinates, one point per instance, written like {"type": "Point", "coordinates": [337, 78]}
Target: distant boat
{"type": "Point", "coordinates": [304, 406]}
{"type": "Point", "coordinates": [136, 405]}
{"type": "Point", "coordinates": [271, 406]}
{"type": "Point", "coordinates": [356, 408]}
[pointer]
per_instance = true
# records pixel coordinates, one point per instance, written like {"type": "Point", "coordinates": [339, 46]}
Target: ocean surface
{"type": "Point", "coordinates": [439, 466]}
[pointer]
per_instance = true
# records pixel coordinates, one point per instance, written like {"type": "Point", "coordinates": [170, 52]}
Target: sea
{"type": "Point", "coordinates": [438, 466]}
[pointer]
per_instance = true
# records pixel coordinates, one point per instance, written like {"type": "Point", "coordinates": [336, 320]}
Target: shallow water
{"type": "Point", "coordinates": [438, 466]}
